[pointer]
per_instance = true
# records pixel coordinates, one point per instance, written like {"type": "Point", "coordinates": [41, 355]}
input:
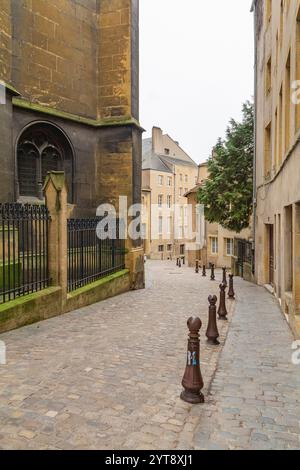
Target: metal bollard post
{"type": "Point", "coordinates": [192, 381]}
{"type": "Point", "coordinates": [179, 262]}
{"type": "Point", "coordinates": [222, 312]}
{"type": "Point", "coordinates": [212, 332]}
{"type": "Point", "coordinates": [197, 267]}
{"type": "Point", "coordinates": [204, 271]}
{"type": "Point", "coordinates": [224, 276]}
{"type": "Point", "coordinates": [212, 275]}
{"type": "Point", "coordinates": [231, 293]}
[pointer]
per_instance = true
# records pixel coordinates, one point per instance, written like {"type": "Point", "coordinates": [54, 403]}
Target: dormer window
{"type": "Point", "coordinates": [167, 151]}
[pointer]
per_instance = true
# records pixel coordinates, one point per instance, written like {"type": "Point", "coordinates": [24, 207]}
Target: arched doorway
{"type": "Point", "coordinates": [42, 147]}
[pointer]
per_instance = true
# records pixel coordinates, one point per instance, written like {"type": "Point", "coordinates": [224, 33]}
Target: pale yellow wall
{"type": "Point", "coordinates": [221, 259]}
{"type": "Point", "coordinates": [150, 179]}
{"type": "Point", "coordinates": [281, 187]}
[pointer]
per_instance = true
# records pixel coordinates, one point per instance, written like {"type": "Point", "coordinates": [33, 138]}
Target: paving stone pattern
{"type": "Point", "coordinates": [109, 376]}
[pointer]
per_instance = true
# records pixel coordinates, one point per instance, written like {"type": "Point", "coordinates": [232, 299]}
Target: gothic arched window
{"type": "Point", "coordinates": [42, 148]}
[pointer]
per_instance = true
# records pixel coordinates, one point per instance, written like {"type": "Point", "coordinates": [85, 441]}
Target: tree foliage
{"type": "Point", "coordinates": [227, 193]}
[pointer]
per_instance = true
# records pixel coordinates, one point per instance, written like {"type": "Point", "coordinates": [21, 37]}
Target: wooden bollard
{"type": "Point", "coordinates": [222, 312]}
{"type": "Point", "coordinates": [212, 274]}
{"type": "Point", "coordinates": [204, 271]}
{"type": "Point", "coordinates": [192, 381]}
{"type": "Point", "coordinates": [231, 293]}
{"type": "Point", "coordinates": [197, 267]}
{"type": "Point", "coordinates": [212, 332]}
{"type": "Point", "coordinates": [224, 281]}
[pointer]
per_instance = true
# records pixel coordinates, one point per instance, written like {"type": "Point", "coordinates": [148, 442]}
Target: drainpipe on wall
{"type": "Point", "coordinates": [255, 128]}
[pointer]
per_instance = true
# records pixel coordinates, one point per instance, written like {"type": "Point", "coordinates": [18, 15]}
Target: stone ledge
{"type": "Point", "coordinates": [10, 88]}
{"type": "Point", "coordinates": [109, 286]}
{"type": "Point", "coordinates": [122, 121]}
{"type": "Point", "coordinates": [30, 309]}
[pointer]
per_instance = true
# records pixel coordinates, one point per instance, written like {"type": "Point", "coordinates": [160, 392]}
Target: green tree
{"type": "Point", "coordinates": [227, 193]}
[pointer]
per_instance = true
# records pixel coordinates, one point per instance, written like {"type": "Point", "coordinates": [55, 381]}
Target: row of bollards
{"type": "Point", "coordinates": [180, 261]}
{"type": "Point", "coordinates": [192, 380]}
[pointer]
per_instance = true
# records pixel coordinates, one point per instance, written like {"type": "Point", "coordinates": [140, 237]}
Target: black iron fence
{"type": "Point", "coordinates": [23, 250]}
{"type": "Point", "coordinates": [244, 253]}
{"type": "Point", "coordinates": [91, 257]}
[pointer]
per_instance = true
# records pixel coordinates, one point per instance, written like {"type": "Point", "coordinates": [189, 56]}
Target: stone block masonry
{"type": "Point", "coordinates": [62, 54]}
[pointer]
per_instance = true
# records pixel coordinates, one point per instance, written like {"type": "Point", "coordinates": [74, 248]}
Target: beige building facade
{"type": "Point", "coordinates": [277, 161]}
{"type": "Point", "coordinates": [216, 245]}
{"type": "Point", "coordinates": [168, 174]}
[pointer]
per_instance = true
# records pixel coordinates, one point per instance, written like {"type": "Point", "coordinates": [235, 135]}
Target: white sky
{"type": "Point", "coordinates": [196, 68]}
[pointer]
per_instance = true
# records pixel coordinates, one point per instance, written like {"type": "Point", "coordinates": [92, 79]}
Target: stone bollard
{"type": "Point", "coordinates": [231, 293]}
{"type": "Point", "coordinates": [204, 271]}
{"type": "Point", "coordinates": [192, 381]}
{"type": "Point", "coordinates": [212, 275]}
{"type": "Point", "coordinates": [212, 332]}
{"type": "Point", "coordinates": [222, 312]}
{"type": "Point", "coordinates": [197, 267]}
{"type": "Point", "coordinates": [224, 281]}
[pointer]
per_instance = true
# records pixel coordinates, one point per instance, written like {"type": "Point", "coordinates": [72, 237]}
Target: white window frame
{"type": "Point", "coordinates": [160, 200]}
{"type": "Point", "coordinates": [214, 245]}
{"type": "Point", "coordinates": [160, 225]}
{"type": "Point", "coordinates": [169, 225]}
{"type": "Point", "coordinates": [160, 180]}
{"type": "Point", "coordinates": [230, 252]}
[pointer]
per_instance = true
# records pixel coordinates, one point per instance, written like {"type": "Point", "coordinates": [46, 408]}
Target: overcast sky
{"type": "Point", "coordinates": [196, 68]}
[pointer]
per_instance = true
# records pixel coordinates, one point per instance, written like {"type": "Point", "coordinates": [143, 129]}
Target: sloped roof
{"type": "Point", "coordinates": [152, 161]}
{"type": "Point", "coordinates": [162, 163]}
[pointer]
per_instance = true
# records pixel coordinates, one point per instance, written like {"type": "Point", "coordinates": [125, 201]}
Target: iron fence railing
{"type": "Point", "coordinates": [23, 250]}
{"type": "Point", "coordinates": [243, 251]}
{"type": "Point", "coordinates": [91, 257]}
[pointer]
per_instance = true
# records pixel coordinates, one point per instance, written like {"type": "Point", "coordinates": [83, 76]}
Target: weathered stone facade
{"type": "Point", "coordinates": [74, 65]}
{"type": "Point", "coordinates": [277, 195]}
{"type": "Point", "coordinates": [71, 73]}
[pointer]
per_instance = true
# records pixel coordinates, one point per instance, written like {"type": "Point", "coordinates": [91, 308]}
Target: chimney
{"type": "Point", "coordinates": [157, 140]}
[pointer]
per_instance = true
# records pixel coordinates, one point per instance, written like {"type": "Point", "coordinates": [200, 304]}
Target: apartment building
{"type": "Point", "coordinates": [214, 244]}
{"type": "Point", "coordinates": [277, 160]}
{"type": "Point", "coordinates": [168, 174]}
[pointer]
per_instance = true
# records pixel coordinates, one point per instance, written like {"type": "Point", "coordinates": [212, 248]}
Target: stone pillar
{"type": "Point", "coordinates": [56, 200]}
{"type": "Point", "coordinates": [7, 168]}
{"type": "Point", "coordinates": [135, 264]}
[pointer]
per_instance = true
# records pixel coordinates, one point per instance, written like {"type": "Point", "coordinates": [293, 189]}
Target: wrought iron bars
{"type": "Point", "coordinates": [90, 258]}
{"type": "Point", "coordinates": [23, 250]}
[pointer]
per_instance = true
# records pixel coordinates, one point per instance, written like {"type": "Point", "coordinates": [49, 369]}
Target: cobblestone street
{"type": "Point", "coordinates": [109, 376]}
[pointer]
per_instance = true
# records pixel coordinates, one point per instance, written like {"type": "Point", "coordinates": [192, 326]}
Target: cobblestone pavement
{"type": "Point", "coordinates": [255, 395]}
{"type": "Point", "coordinates": [108, 376]}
